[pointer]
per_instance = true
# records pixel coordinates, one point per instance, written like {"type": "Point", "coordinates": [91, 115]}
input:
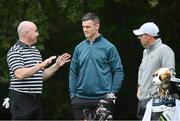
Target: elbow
{"type": "Point", "coordinates": [45, 78]}
{"type": "Point", "coordinates": [19, 76]}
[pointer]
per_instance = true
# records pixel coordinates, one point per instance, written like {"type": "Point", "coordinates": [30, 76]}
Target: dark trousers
{"type": "Point", "coordinates": [25, 106]}
{"type": "Point", "coordinates": [141, 110]}
{"type": "Point", "coordinates": [79, 104]}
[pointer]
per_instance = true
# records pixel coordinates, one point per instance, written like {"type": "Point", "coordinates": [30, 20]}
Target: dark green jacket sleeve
{"type": "Point", "coordinates": [73, 74]}
{"type": "Point", "coordinates": [117, 69]}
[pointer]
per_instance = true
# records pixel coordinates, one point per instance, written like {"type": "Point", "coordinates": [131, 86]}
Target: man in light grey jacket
{"type": "Point", "coordinates": [155, 55]}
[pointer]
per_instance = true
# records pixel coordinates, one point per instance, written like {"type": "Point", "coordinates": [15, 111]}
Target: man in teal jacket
{"type": "Point", "coordinates": [96, 70]}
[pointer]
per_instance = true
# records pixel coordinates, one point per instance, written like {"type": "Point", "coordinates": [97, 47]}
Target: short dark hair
{"type": "Point", "coordinates": [158, 36]}
{"type": "Point", "coordinates": [90, 16]}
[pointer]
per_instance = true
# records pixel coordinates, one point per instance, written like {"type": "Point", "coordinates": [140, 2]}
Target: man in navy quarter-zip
{"type": "Point", "coordinates": [96, 70]}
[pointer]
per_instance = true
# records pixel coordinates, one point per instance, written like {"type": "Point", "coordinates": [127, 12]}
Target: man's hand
{"type": "Point", "coordinates": [47, 62]}
{"type": "Point", "coordinates": [138, 92]}
{"type": "Point", "coordinates": [62, 59]}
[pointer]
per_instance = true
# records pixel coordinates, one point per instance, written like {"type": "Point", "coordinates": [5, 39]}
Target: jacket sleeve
{"type": "Point", "coordinates": [73, 74]}
{"type": "Point", "coordinates": [15, 60]}
{"type": "Point", "coordinates": [140, 71]}
{"type": "Point", "coordinates": [168, 59]}
{"type": "Point", "coordinates": [116, 69]}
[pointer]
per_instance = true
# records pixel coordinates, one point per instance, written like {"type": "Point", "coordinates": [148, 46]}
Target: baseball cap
{"type": "Point", "coordinates": [149, 28]}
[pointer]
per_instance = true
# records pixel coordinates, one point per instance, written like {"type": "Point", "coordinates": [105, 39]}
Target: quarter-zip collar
{"type": "Point", "coordinates": [96, 40]}
{"type": "Point", "coordinates": [157, 43]}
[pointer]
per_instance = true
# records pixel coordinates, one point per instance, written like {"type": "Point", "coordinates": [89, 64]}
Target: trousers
{"type": "Point", "coordinates": [79, 105]}
{"type": "Point", "coordinates": [24, 106]}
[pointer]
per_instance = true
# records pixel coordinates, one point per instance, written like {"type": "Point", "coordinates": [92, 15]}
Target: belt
{"type": "Point", "coordinates": [35, 95]}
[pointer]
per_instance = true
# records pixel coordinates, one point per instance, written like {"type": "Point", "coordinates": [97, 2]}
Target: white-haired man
{"type": "Point", "coordinates": [27, 72]}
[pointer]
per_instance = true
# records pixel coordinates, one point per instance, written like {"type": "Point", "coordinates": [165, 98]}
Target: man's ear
{"type": "Point", "coordinates": [97, 26]}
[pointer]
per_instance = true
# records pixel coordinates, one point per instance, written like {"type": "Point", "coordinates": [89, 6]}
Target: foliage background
{"type": "Point", "coordinates": [60, 31]}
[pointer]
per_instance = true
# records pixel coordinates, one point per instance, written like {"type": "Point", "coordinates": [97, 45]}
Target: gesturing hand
{"type": "Point", "coordinates": [47, 61]}
{"type": "Point", "coordinates": [62, 59]}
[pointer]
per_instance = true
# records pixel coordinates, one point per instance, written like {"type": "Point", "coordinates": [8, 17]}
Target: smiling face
{"type": "Point", "coordinates": [28, 32]}
{"type": "Point", "coordinates": [90, 29]}
{"type": "Point", "coordinates": [32, 34]}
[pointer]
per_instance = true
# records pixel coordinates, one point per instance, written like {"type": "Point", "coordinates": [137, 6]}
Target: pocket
{"type": "Point", "coordinates": [73, 100]}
